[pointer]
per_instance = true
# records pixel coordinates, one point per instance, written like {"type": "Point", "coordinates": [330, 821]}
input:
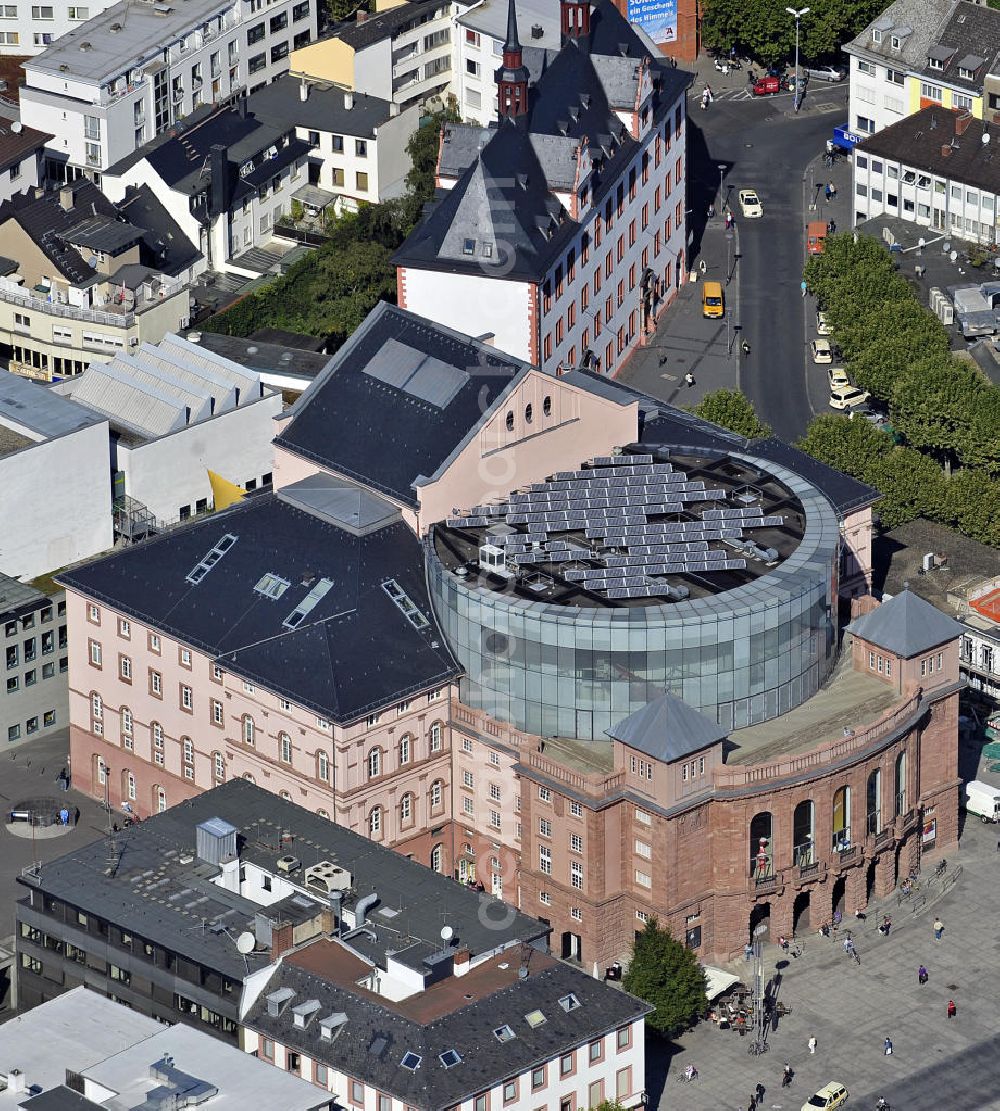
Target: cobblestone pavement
{"type": "Point", "coordinates": [938, 1064]}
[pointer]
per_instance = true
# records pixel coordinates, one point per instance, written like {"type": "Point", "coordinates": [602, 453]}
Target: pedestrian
{"type": "Point", "coordinates": [745, 347]}
{"type": "Point", "coordinates": [663, 360]}
{"type": "Point", "coordinates": [812, 1044]}
{"type": "Point", "coordinates": [689, 379]}
{"type": "Point", "coordinates": [752, 1105]}
{"type": "Point", "coordinates": [760, 1092]}
{"type": "Point", "coordinates": [828, 191]}
{"type": "Point", "coordinates": [998, 846]}
{"type": "Point", "coordinates": [748, 952]}
{"type": "Point", "coordinates": [832, 187]}
{"type": "Point", "coordinates": [887, 1047]}
{"type": "Point", "coordinates": [922, 976]}
{"type": "Point", "coordinates": [786, 1075]}
{"type": "Point", "coordinates": [64, 816]}
{"type": "Point", "coordinates": [952, 1009]}
{"type": "Point", "coordinates": [938, 929]}
{"type": "Point", "coordinates": [729, 219]}
{"type": "Point", "coordinates": [703, 267]}
{"type": "Point", "coordinates": [804, 287]}
{"type": "Point", "coordinates": [711, 210]}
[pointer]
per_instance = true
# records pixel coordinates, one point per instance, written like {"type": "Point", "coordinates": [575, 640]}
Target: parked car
{"type": "Point", "coordinates": [750, 204]}
{"type": "Point", "coordinates": [766, 86]}
{"type": "Point", "coordinates": [826, 73]}
{"type": "Point", "coordinates": [823, 323]}
{"type": "Point", "coordinates": [838, 377]}
{"type": "Point", "coordinates": [830, 1096]}
{"type": "Point", "coordinates": [847, 397]}
{"type": "Point", "coordinates": [821, 350]}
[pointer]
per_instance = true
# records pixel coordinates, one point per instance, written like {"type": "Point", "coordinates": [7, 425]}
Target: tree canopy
{"type": "Point", "coordinates": [732, 409]}
{"type": "Point", "coordinates": [667, 975]}
{"type": "Point", "coordinates": [764, 30]}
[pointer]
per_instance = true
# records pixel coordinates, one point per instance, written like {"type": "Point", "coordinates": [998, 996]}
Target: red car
{"type": "Point", "coordinates": [767, 86]}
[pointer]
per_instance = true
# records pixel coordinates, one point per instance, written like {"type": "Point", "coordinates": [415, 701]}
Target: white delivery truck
{"type": "Point", "coordinates": [984, 800]}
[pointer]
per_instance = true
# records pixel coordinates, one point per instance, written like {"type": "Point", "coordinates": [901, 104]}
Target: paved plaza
{"type": "Point", "coordinates": [937, 1064]}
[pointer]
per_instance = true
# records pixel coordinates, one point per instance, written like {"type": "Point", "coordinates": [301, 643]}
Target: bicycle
{"type": "Point", "coordinates": [685, 1079]}
{"type": "Point", "coordinates": [940, 870]}
{"type": "Point", "coordinates": [857, 957]}
{"type": "Point", "coordinates": [795, 949]}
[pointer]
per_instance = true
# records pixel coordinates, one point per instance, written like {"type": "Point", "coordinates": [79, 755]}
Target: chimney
{"type": "Point", "coordinates": [281, 939]}
{"type": "Point", "coordinates": [962, 121]}
{"type": "Point", "coordinates": [946, 150]}
{"type": "Point", "coordinates": [348, 101]}
{"type": "Point", "coordinates": [16, 1081]}
{"type": "Point", "coordinates": [361, 16]}
{"type": "Point", "coordinates": [241, 105]}
{"type": "Point", "coordinates": [219, 166]}
{"type": "Point", "coordinates": [66, 198]}
{"type": "Point", "coordinates": [303, 91]}
{"type": "Point", "coordinates": [461, 962]}
{"type": "Point", "coordinates": [393, 108]}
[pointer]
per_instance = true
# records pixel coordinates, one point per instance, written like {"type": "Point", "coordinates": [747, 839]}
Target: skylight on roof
{"type": "Point", "coordinates": [411, 1061]}
{"type": "Point", "coordinates": [271, 585]}
{"type": "Point", "coordinates": [504, 1033]}
{"type": "Point", "coordinates": [450, 1058]}
{"type": "Point", "coordinates": [569, 1003]}
{"type": "Point", "coordinates": [405, 604]}
{"type": "Point", "coordinates": [534, 1019]}
{"type": "Point", "coordinates": [211, 558]}
{"type": "Point", "coordinates": [308, 604]}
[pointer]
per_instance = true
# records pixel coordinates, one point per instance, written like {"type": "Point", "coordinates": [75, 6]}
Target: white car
{"type": "Point", "coordinates": [838, 377]}
{"type": "Point", "coordinates": [821, 350]}
{"type": "Point", "coordinates": [750, 204]}
{"type": "Point", "coordinates": [823, 324]}
{"type": "Point", "coordinates": [847, 397]}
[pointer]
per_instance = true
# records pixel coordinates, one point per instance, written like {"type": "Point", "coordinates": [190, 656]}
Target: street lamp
{"type": "Point", "coordinates": [797, 14]}
{"type": "Point", "coordinates": [722, 174]}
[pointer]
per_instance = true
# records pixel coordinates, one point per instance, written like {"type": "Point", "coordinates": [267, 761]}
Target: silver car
{"type": "Point", "coordinates": [826, 73]}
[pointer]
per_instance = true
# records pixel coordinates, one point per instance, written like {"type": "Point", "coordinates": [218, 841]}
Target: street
{"type": "Point", "coordinates": [760, 144]}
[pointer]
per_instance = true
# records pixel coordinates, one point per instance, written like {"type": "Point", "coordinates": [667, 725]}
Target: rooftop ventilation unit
{"type": "Point", "coordinates": [212, 557]}
{"type": "Point", "coordinates": [289, 864]}
{"type": "Point", "coordinates": [327, 876]}
{"type": "Point", "coordinates": [215, 841]}
{"type": "Point", "coordinates": [308, 604]}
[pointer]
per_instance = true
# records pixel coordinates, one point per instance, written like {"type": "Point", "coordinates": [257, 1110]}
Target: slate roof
{"type": "Point", "coordinates": [372, 1042]}
{"type": "Point", "coordinates": [263, 356]}
{"type": "Point", "coordinates": [164, 246]}
{"type": "Point", "coordinates": [664, 424]}
{"type": "Point", "coordinates": [341, 421]}
{"type": "Point", "coordinates": [667, 729]}
{"type": "Point", "coordinates": [46, 222]}
{"type": "Point", "coordinates": [906, 625]}
{"type": "Point", "coordinates": [355, 651]}
{"type": "Point", "coordinates": [915, 22]}
{"type": "Point", "coordinates": [281, 106]}
{"type": "Point", "coordinates": [17, 145]}
{"type": "Point", "coordinates": [505, 197]}
{"type": "Point", "coordinates": [157, 896]}
{"type": "Point", "coordinates": [969, 39]}
{"type": "Point", "coordinates": [103, 233]}
{"type": "Point", "coordinates": [920, 140]}
{"type": "Point", "coordinates": [386, 25]}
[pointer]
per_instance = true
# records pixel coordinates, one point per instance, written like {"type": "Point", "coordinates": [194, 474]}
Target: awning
{"type": "Point", "coordinates": [313, 196]}
{"type": "Point", "coordinates": [846, 139]}
{"type": "Point", "coordinates": [718, 981]}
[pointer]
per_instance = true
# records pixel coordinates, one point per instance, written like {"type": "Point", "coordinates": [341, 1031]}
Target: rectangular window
{"type": "Point", "coordinates": [187, 697]}
{"type": "Point", "coordinates": [576, 843]}
{"type": "Point", "coordinates": [576, 874]}
{"type": "Point", "coordinates": [545, 860]}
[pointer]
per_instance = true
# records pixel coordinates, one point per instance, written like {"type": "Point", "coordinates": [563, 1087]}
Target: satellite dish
{"type": "Point", "coordinates": [246, 942]}
{"type": "Point", "coordinates": [986, 137]}
{"type": "Point", "coordinates": [447, 933]}
{"type": "Point", "coordinates": [17, 127]}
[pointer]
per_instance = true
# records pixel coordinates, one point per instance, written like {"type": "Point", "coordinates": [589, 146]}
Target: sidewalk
{"type": "Point", "coordinates": [687, 343]}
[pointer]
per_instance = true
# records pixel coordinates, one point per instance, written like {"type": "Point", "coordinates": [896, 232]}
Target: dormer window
{"type": "Point", "coordinates": [487, 250]}
{"type": "Point", "coordinates": [966, 74]}
{"type": "Point", "coordinates": [876, 35]}
{"type": "Point", "coordinates": [469, 247]}
{"type": "Point", "coordinates": [935, 63]}
{"type": "Point", "coordinates": [895, 43]}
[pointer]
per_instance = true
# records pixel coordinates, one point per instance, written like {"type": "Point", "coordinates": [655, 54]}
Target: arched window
{"type": "Point", "coordinates": [375, 821]}
{"type": "Point", "coordinates": [529, 415]}
{"type": "Point", "coordinates": [436, 794]}
{"type": "Point", "coordinates": [128, 738]}
{"type": "Point", "coordinates": [285, 748]}
{"type": "Point", "coordinates": [509, 420]}
{"type": "Point", "coordinates": [374, 763]}
{"type": "Point", "coordinates": [323, 766]}
{"type": "Point", "coordinates": [219, 767]}
{"type": "Point", "coordinates": [437, 858]}
{"type": "Point", "coordinates": [159, 800]}
{"type": "Point", "coordinates": [842, 819]}
{"type": "Point", "coordinates": [249, 730]}
{"type": "Point", "coordinates": [761, 848]}
{"type": "Point", "coordinates": [406, 809]}
{"type": "Point", "coordinates": [547, 406]}
{"type": "Point", "coordinates": [873, 802]}
{"type": "Point", "coordinates": [804, 832]}
{"type": "Point", "coordinates": [899, 784]}
{"type": "Point", "coordinates": [249, 778]}
{"type": "Point", "coordinates": [435, 737]}
{"type": "Point", "coordinates": [405, 748]}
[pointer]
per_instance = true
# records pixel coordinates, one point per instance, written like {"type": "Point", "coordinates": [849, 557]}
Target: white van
{"type": "Point", "coordinates": [984, 800]}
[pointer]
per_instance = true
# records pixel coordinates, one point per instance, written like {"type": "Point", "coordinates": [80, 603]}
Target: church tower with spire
{"type": "Point", "coordinates": [512, 76]}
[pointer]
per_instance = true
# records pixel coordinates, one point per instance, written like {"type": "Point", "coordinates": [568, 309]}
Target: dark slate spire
{"type": "Point", "coordinates": [512, 76]}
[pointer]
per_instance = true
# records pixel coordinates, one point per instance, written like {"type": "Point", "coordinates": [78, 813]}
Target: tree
{"type": "Point", "coordinates": [932, 402]}
{"type": "Point", "coordinates": [339, 10]}
{"type": "Point", "coordinates": [609, 1105]}
{"type": "Point", "coordinates": [423, 151]}
{"type": "Point", "coordinates": [732, 410]}
{"type": "Point", "coordinates": [667, 975]}
{"type": "Point", "coordinates": [852, 446]}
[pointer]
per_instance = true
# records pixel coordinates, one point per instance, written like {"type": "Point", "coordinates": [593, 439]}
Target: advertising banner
{"type": "Point", "coordinates": [658, 18]}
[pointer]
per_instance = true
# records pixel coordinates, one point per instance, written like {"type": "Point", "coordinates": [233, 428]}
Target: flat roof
{"type": "Point", "coordinates": [162, 892]}
{"type": "Point", "coordinates": [628, 530]}
{"type": "Point", "coordinates": [94, 51]}
{"type": "Point", "coordinates": [16, 595]}
{"type": "Point", "coordinates": [71, 1032]}
{"type": "Point", "coordinates": [39, 408]}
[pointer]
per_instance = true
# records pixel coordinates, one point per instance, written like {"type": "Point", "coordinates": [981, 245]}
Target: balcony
{"type": "Point", "coordinates": [813, 870]}
{"type": "Point", "coordinates": [906, 822]}
{"type": "Point", "coordinates": [849, 857]}
{"type": "Point", "coordinates": [764, 885]}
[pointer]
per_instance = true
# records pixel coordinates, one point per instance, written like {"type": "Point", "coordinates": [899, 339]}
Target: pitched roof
{"type": "Point", "coordinates": [913, 23]}
{"type": "Point", "coordinates": [510, 183]}
{"type": "Point", "coordinates": [385, 25]}
{"type": "Point", "coordinates": [905, 625]}
{"type": "Point", "coordinates": [377, 1034]}
{"type": "Point", "coordinates": [968, 40]}
{"type": "Point", "coordinates": [18, 141]}
{"type": "Point", "coordinates": [353, 650]}
{"type": "Point", "coordinates": [399, 371]}
{"type": "Point", "coordinates": [667, 729]}
{"type": "Point", "coordinates": [280, 105]}
{"type": "Point", "coordinates": [922, 139]}
{"type": "Point", "coordinates": [164, 245]}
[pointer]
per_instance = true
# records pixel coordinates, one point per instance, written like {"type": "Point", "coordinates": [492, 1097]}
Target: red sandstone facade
{"type": "Point", "coordinates": [687, 45]}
